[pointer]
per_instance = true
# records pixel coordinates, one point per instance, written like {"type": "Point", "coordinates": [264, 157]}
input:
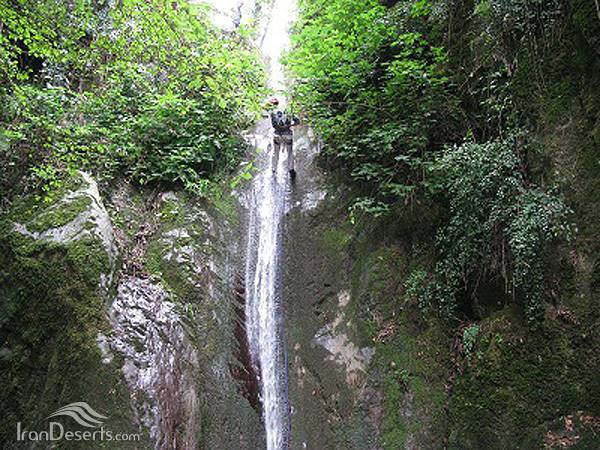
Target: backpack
{"type": "Point", "coordinates": [280, 121]}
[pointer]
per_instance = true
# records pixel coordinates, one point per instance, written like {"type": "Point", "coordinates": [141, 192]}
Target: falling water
{"type": "Point", "coordinates": [263, 304]}
{"type": "Point", "coordinates": [263, 267]}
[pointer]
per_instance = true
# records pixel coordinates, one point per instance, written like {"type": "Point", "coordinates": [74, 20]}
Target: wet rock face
{"type": "Point", "coordinates": [79, 214]}
{"type": "Point", "coordinates": [334, 338]}
{"type": "Point", "coordinates": [137, 299]}
{"type": "Point", "coordinates": [174, 322]}
{"type": "Point", "coordinates": [58, 261]}
{"type": "Point", "coordinates": [333, 403]}
{"type": "Point", "coordinates": [158, 361]}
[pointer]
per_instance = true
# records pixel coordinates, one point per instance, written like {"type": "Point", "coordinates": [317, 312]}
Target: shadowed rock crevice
{"type": "Point", "coordinates": [243, 369]}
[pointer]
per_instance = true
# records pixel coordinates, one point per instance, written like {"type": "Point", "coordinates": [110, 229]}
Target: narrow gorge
{"type": "Point", "coordinates": [429, 279]}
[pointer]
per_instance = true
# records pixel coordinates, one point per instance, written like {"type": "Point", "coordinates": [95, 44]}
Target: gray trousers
{"type": "Point", "coordinates": [286, 141]}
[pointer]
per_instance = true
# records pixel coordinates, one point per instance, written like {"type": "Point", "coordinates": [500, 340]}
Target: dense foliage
{"type": "Point", "coordinates": [497, 224]}
{"type": "Point", "coordinates": [410, 115]}
{"type": "Point", "coordinates": [375, 87]}
{"type": "Point", "coordinates": [147, 89]}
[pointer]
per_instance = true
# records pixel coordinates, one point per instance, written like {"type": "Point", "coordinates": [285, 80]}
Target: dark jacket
{"type": "Point", "coordinates": [283, 123]}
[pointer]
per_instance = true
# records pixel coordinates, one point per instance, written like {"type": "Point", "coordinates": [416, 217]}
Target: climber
{"type": "Point", "coordinates": [282, 124]}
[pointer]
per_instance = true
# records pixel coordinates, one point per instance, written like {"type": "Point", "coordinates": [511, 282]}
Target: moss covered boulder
{"type": "Point", "coordinates": [57, 266]}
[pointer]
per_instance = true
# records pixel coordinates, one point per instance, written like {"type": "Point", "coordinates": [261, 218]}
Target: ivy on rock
{"type": "Point", "coordinates": [498, 223]}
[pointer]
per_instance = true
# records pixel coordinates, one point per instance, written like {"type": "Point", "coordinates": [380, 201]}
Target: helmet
{"type": "Point", "coordinates": [273, 101]}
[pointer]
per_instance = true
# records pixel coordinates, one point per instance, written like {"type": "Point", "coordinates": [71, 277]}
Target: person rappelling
{"type": "Point", "coordinates": [283, 135]}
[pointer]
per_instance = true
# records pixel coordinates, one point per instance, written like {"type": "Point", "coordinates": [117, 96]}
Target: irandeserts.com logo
{"type": "Point", "coordinates": [84, 415]}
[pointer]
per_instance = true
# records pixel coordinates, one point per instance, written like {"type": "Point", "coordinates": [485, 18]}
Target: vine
{"type": "Point", "coordinates": [498, 221]}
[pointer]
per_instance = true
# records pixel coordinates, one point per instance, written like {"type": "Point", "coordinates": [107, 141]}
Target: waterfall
{"type": "Point", "coordinates": [264, 318]}
{"type": "Point", "coordinates": [263, 297]}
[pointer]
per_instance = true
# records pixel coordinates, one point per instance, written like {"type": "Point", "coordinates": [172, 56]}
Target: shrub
{"type": "Point", "coordinates": [150, 90]}
{"type": "Point", "coordinates": [469, 339]}
{"type": "Point", "coordinates": [498, 222]}
{"type": "Point", "coordinates": [375, 88]}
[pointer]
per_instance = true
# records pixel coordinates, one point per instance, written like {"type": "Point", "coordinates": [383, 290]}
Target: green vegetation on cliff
{"type": "Point", "coordinates": [376, 89]}
{"type": "Point", "coordinates": [150, 90]}
{"type": "Point", "coordinates": [385, 87]}
{"type": "Point", "coordinates": [470, 128]}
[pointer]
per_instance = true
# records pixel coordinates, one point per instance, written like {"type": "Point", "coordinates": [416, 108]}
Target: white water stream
{"type": "Point", "coordinates": [264, 318]}
{"type": "Point", "coordinates": [263, 299]}
{"type": "Point", "coordinates": [267, 205]}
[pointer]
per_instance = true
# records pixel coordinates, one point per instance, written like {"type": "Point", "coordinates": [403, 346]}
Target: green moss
{"type": "Point", "coordinates": [27, 208]}
{"type": "Point", "coordinates": [172, 212]}
{"type": "Point", "coordinates": [414, 365]}
{"type": "Point", "coordinates": [411, 361]}
{"type": "Point", "coordinates": [50, 315]}
{"type": "Point", "coordinates": [61, 214]}
{"type": "Point", "coordinates": [336, 239]}
{"type": "Point", "coordinates": [522, 381]}
{"type": "Point", "coordinates": [89, 255]}
{"type": "Point", "coordinates": [394, 432]}
{"type": "Point", "coordinates": [175, 276]}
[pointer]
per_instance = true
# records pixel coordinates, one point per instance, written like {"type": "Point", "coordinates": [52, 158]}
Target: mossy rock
{"type": "Point", "coordinates": [60, 215]}
{"type": "Point", "coordinates": [410, 357]}
{"type": "Point", "coordinates": [53, 291]}
{"type": "Point", "coordinates": [522, 380]}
